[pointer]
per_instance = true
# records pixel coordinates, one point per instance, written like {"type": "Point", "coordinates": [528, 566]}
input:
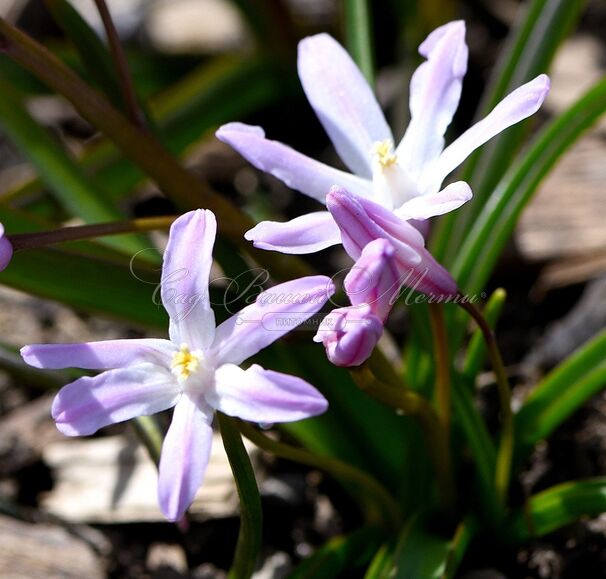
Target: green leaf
{"type": "Point", "coordinates": [93, 54]}
{"type": "Point", "coordinates": [367, 423]}
{"type": "Point", "coordinates": [557, 507]}
{"type": "Point", "coordinates": [382, 563]}
{"type": "Point", "coordinates": [341, 555]}
{"type": "Point", "coordinates": [529, 52]}
{"type": "Point", "coordinates": [225, 88]}
{"type": "Point", "coordinates": [423, 554]}
{"type": "Point", "coordinates": [481, 446]}
{"type": "Point", "coordinates": [87, 283]}
{"type": "Point", "coordinates": [250, 536]}
{"type": "Point", "coordinates": [69, 185]}
{"type": "Point", "coordinates": [358, 28]}
{"type": "Point", "coordinates": [562, 392]}
{"type": "Point", "coordinates": [494, 226]}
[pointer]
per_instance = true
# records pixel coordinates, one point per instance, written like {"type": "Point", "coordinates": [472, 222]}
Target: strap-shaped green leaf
{"type": "Point", "coordinates": [223, 89]}
{"type": "Point", "coordinates": [87, 283]}
{"type": "Point", "coordinates": [70, 186]}
{"type": "Point", "coordinates": [495, 224]}
{"type": "Point", "coordinates": [562, 392]}
{"type": "Point", "coordinates": [358, 28]}
{"type": "Point", "coordinates": [528, 53]}
{"type": "Point", "coordinates": [557, 507]}
{"type": "Point", "coordinates": [93, 54]}
{"type": "Point", "coordinates": [423, 554]}
{"type": "Point", "coordinates": [341, 555]}
{"type": "Point", "coordinates": [482, 449]}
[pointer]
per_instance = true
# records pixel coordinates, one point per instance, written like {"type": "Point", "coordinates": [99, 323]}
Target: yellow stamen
{"type": "Point", "coordinates": [184, 363]}
{"type": "Point", "coordinates": [384, 153]}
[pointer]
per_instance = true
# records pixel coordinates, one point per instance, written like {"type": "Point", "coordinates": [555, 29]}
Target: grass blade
{"type": "Point", "coordinates": [529, 52]}
{"type": "Point", "coordinates": [358, 28]}
{"type": "Point", "coordinates": [557, 507]}
{"type": "Point", "coordinates": [562, 392]}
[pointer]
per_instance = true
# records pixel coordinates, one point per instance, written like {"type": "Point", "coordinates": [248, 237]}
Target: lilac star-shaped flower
{"type": "Point", "coordinates": [196, 371]}
{"type": "Point", "coordinates": [405, 179]}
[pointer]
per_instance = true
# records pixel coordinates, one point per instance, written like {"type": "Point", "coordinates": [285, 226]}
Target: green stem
{"type": "Point", "coordinates": [185, 189]}
{"type": "Point", "coordinates": [43, 238]}
{"type": "Point", "coordinates": [505, 451]}
{"type": "Point", "coordinates": [406, 401]}
{"type": "Point", "coordinates": [150, 435]}
{"type": "Point", "coordinates": [388, 508]}
{"type": "Point", "coordinates": [440, 342]}
{"type": "Point", "coordinates": [358, 23]}
{"type": "Point", "coordinates": [124, 77]}
{"type": "Point", "coordinates": [251, 522]}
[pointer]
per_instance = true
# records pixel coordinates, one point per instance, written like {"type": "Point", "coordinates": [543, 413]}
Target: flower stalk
{"type": "Point", "coordinates": [251, 515]}
{"type": "Point", "coordinates": [404, 400]}
{"type": "Point", "coordinates": [387, 511]}
{"type": "Point", "coordinates": [505, 450]}
{"type": "Point", "coordinates": [129, 94]}
{"type": "Point", "coordinates": [150, 434]}
{"type": "Point", "coordinates": [440, 343]}
{"type": "Point", "coordinates": [37, 239]}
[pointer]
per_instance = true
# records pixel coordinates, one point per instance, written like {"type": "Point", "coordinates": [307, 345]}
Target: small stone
{"type": "Point", "coordinates": [196, 27]}
{"type": "Point", "coordinates": [161, 557]}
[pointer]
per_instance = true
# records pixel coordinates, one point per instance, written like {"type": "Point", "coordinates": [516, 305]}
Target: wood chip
{"type": "Point", "coordinates": [566, 217]}
{"type": "Point", "coordinates": [112, 480]}
{"type": "Point", "coordinates": [40, 551]}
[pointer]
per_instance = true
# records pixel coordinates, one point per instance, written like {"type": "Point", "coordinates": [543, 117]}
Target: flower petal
{"type": "Point", "coordinates": [432, 204]}
{"type": "Point", "coordinates": [343, 101]}
{"type": "Point", "coordinates": [350, 335]}
{"type": "Point", "coordinates": [435, 91]}
{"type": "Point", "coordinates": [99, 355]}
{"type": "Point", "coordinates": [358, 228]}
{"type": "Point", "coordinates": [374, 279]}
{"type": "Point", "coordinates": [6, 249]}
{"type": "Point", "coordinates": [394, 226]}
{"type": "Point", "coordinates": [276, 311]}
{"type": "Point", "coordinates": [306, 234]}
{"type": "Point", "coordinates": [265, 396]}
{"type": "Point", "coordinates": [184, 458]}
{"type": "Point", "coordinates": [520, 104]}
{"type": "Point", "coordinates": [84, 406]}
{"type": "Point", "coordinates": [416, 266]}
{"type": "Point", "coordinates": [185, 274]}
{"type": "Point", "coordinates": [292, 168]}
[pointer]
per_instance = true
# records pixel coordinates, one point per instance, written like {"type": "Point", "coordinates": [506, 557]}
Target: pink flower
{"type": "Point", "coordinates": [196, 371]}
{"type": "Point", "coordinates": [405, 179]}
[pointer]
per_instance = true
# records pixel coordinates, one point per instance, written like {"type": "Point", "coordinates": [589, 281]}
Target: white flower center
{"type": "Point", "coordinates": [185, 363]}
{"type": "Point", "coordinates": [384, 154]}
{"type": "Point", "coordinates": [392, 185]}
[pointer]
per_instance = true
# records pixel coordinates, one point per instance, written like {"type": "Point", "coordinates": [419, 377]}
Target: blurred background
{"type": "Point", "coordinates": [87, 508]}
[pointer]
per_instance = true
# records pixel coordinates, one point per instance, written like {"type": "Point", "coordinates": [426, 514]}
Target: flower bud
{"type": "Point", "coordinates": [362, 221]}
{"type": "Point", "coordinates": [350, 335]}
{"type": "Point", "coordinates": [6, 249]}
{"type": "Point", "coordinates": [374, 278]}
